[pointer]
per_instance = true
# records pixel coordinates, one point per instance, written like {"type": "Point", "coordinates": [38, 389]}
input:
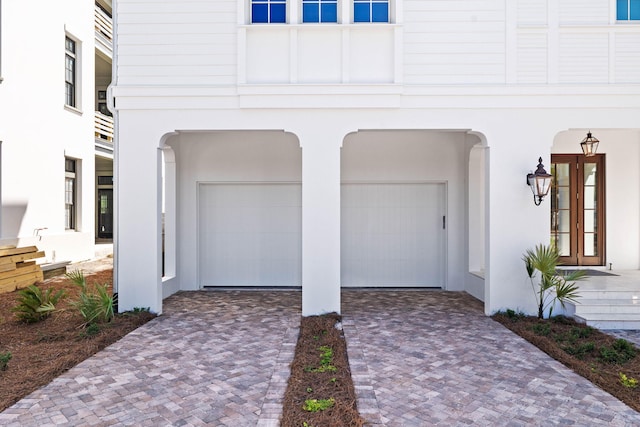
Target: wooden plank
{"type": "Point", "coordinates": [17, 251]}
{"type": "Point", "coordinates": [8, 288]}
{"type": "Point", "coordinates": [33, 276]}
{"type": "Point", "coordinates": [28, 282]}
{"type": "Point", "coordinates": [8, 247]}
{"type": "Point", "coordinates": [7, 267]}
{"type": "Point", "coordinates": [24, 263]}
{"type": "Point", "coordinates": [20, 271]}
{"type": "Point", "coordinates": [17, 258]}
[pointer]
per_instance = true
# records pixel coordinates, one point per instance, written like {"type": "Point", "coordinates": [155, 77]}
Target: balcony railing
{"type": "Point", "coordinates": [103, 128]}
{"type": "Point", "coordinates": [103, 27]}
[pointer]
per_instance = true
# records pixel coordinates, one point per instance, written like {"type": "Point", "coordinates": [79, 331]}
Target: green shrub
{"type": "Point", "coordinates": [35, 305]}
{"type": "Point", "coordinates": [543, 329]}
{"type": "Point", "coordinates": [315, 405]}
{"type": "Point", "coordinates": [628, 382]}
{"type": "Point", "coordinates": [91, 330]}
{"type": "Point", "coordinates": [580, 350]}
{"type": "Point", "coordinates": [620, 352]}
{"type": "Point", "coordinates": [95, 303]}
{"type": "Point", "coordinates": [581, 332]}
{"type": "Point", "coordinates": [4, 360]}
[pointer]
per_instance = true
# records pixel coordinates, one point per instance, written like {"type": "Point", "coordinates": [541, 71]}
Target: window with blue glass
{"type": "Point", "coordinates": [319, 10]}
{"type": "Point", "coordinates": [370, 11]}
{"type": "Point", "coordinates": [628, 10]}
{"type": "Point", "coordinates": [268, 11]}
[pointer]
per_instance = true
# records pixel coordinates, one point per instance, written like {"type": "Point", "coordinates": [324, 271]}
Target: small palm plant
{"type": "Point", "coordinates": [96, 303]}
{"type": "Point", "coordinates": [553, 286]}
{"type": "Point", "coordinates": [34, 304]}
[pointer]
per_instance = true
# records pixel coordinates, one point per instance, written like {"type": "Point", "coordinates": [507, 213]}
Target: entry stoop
{"type": "Point", "coordinates": [608, 309]}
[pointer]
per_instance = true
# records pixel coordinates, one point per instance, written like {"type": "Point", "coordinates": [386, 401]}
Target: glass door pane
{"type": "Point", "coordinates": [560, 208]}
{"type": "Point", "coordinates": [590, 213]}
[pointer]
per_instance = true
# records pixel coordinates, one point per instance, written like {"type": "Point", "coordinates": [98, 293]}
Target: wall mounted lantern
{"type": "Point", "coordinates": [589, 145]}
{"type": "Point", "coordinates": [540, 183]}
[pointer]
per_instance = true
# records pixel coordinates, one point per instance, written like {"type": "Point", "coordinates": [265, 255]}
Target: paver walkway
{"type": "Point", "coordinates": [418, 358]}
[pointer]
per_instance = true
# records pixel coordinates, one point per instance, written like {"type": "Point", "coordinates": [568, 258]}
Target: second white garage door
{"type": "Point", "coordinates": [250, 234]}
{"type": "Point", "coordinates": [393, 235]}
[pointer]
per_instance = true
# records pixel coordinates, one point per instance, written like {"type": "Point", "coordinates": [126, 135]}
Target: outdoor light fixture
{"type": "Point", "coordinates": [589, 145]}
{"type": "Point", "coordinates": [540, 183]}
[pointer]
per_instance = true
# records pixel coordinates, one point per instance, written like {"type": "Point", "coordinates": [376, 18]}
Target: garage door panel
{"type": "Point", "coordinates": [250, 234]}
{"type": "Point", "coordinates": [392, 235]}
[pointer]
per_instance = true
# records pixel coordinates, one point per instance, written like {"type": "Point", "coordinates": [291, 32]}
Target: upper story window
{"type": "Point", "coordinates": [628, 10]}
{"type": "Point", "coordinates": [268, 11]}
{"type": "Point", "coordinates": [319, 10]}
{"type": "Point", "coordinates": [70, 73]}
{"type": "Point", "coordinates": [370, 11]}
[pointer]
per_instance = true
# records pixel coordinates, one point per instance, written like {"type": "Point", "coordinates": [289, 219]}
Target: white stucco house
{"type": "Point", "coordinates": [371, 143]}
{"type": "Point", "coordinates": [56, 134]}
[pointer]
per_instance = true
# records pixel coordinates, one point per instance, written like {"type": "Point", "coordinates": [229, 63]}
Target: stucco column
{"type": "Point", "coordinates": [320, 221]}
{"type": "Point", "coordinates": [138, 195]}
{"type": "Point", "coordinates": [515, 223]}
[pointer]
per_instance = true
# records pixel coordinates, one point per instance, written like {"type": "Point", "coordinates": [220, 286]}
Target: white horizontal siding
{"type": "Point", "coordinates": [627, 54]}
{"type": "Point", "coordinates": [454, 42]}
{"type": "Point", "coordinates": [532, 58]}
{"type": "Point", "coordinates": [177, 42]}
{"type": "Point", "coordinates": [584, 11]}
{"type": "Point", "coordinates": [532, 12]}
{"type": "Point", "coordinates": [584, 58]}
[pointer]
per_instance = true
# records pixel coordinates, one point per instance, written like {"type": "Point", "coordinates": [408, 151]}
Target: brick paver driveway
{"type": "Point", "coordinates": [419, 358]}
{"type": "Point", "coordinates": [422, 358]}
{"type": "Point", "coordinates": [213, 358]}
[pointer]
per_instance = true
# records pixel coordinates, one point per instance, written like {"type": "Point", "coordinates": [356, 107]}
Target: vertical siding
{"type": "Point", "coordinates": [454, 41]}
{"type": "Point", "coordinates": [177, 42]}
{"type": "Point", "coordinates": [584, 58]}
{"type": "Point", "coordinates": [532, 58]}
{"type": "Point", "coordinates": [627, 60]}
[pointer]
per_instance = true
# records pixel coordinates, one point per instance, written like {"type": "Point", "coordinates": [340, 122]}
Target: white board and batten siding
{"type": "Point", "coordinates": [177, 42]}
{"type": "Point", "coordinates": [454, 42]}
{"type": "Point", "coordinates": [575, 42]}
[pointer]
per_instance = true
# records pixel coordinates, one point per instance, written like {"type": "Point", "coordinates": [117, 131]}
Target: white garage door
{"type": "Point", "coordinates": [393, 235]}
{"type": "Point", "coordinates": [250, 234]}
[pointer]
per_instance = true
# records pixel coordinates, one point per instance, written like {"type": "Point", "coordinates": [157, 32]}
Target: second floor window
{"type": "Point", "coordinates": [319, 11]}
{"type": "Point", "coordinates": [268, 11]}
{"type": "Point", "coordinates": [370, 11]}
{"type": "Point", "coordinates": [628, 10]}
{"type": "Point", "coordinates": [70, 72]}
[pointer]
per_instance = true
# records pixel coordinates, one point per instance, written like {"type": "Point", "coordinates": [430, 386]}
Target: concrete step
{"type": "Point", "coordinates": [607, 321]}
{"type": "Point", "coordinates": [615, 294]}
{"type": "Point", "coordinates": [627, 306]}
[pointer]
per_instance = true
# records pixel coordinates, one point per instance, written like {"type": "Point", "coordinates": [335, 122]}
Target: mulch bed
{"type": "Point", "coordinates": [42, 351]}
{"type": "Point", "coordinates": [305, 382]}
{"type": "Point", "coordinates": [585, 350]}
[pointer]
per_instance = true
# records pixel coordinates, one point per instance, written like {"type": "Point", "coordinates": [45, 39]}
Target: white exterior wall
{"type": "Point", "coordinates": [37, 131]}
{"type": "Point", "coordinates": [488, 73]}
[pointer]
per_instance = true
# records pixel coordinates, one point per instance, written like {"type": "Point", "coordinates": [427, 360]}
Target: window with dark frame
{"type": "Point", "coordinates": [70, 194]}
{"type": "Point", "coordinates": [628, 10]}
{"type": "Point", "coordinates": [70, 72]}
{"type": "Point", "coordinates": [268, 11]}
{"type": "Point", "coordinates": [319, 11]}
{"type": "Point", "coordinates": [370, 11]}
